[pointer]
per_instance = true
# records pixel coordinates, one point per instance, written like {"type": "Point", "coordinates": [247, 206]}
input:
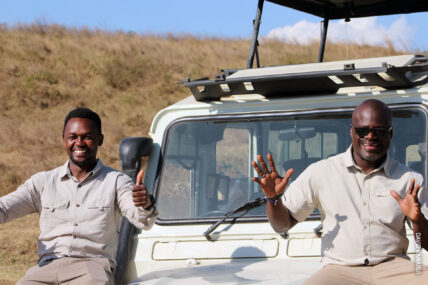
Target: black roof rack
{"type": "Point", "coordinates": [393, 72]}
{"type": "Point", "coordinates": [343, 9]}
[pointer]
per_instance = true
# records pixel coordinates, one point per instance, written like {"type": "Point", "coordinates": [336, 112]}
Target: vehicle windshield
{"type": "Point", "coordinates": [207, 168]}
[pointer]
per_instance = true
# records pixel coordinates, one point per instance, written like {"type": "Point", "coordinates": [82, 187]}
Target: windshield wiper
{"type": "Point", "coordinates": [246, 207]}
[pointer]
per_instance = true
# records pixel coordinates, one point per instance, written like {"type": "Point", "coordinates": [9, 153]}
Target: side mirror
{"type": "Point", "coordinates": [131, 150]}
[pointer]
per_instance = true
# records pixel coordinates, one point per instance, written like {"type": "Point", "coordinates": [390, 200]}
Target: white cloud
{"type": "Point", "coordinates": [359, 30]}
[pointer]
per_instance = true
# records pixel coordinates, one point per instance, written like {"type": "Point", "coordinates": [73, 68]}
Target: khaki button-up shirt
{"type": "Point", "coordinates": [77, 219]}
{"type": "Point", "coordinates": [361, 220]}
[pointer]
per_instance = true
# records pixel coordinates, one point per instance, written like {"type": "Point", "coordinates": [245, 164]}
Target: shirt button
{"type": "Point", "coordinates": [366, 262]}
{"type": "Point", "coordinates": [364, 203]}
{"type": "Point", "coordinates": [77, 205]}
{"type": "Point", "coordinates": [79, 186]}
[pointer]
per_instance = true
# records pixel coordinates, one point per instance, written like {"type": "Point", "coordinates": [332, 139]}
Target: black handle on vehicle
{"type": "Point", "coordinates": [131, 150]}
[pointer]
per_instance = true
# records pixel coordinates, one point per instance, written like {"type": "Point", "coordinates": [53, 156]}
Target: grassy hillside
{"type": "Point", "coordinates": [47, 70]}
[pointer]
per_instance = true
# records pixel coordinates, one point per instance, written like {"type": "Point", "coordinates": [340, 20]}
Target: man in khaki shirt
{"type": "Point", "coordinates": [80, 206]}
{"type": "Point", "coordinates": [364, 198]}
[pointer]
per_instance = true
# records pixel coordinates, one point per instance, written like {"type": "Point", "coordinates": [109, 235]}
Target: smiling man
{"type": "Point", "coordinates": [364, 198]}
{"type": "Point", "coordinates": [80, 206]}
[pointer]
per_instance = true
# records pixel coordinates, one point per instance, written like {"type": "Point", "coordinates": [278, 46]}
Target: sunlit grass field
{"type": "Point", "coordinates": [47, 70]}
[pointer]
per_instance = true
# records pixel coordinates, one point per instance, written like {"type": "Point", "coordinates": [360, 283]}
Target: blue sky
{"type": "Point", "coordinates": [224, 18]}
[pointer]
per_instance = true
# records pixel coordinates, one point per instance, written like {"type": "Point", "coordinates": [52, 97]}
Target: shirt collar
{"type": "Point", "coordinates": [350, 162]}
{"type": "Point", "coordinates": [64, 171]}
{"type": "Point", "coordinates": [97, 167]}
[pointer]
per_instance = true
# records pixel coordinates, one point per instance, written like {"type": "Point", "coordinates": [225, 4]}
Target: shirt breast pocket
{"type": "Point", "coordinates": [54, 214]}
{"type": "Point", "coordinates": [388, 210]}
{"type": "Point", "coordinates": [99, 213]}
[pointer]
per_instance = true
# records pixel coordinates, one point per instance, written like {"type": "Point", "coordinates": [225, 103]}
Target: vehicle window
{"type": "Point", "coordinates": [408, 144]}
{"type": "Point", "coordinates": [232, 169]}
{"type": "Point", "coordinates": [207, 165]}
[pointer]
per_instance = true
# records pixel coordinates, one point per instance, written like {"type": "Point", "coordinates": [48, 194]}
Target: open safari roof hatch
{"type": "Point", "coordinates": [389, 72]}
{"type": "Point", "coordinates": [342, 9]}
{"type": "Point", "coordinates": [404, 71]}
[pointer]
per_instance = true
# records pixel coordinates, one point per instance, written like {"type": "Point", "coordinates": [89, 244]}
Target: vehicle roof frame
{"type": "Point", "coordinates": [334, 10]}
{"type": "Point", "coordinates": [204, 89]}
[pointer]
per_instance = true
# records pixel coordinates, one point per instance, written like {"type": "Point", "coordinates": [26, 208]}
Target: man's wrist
{"type": "Point", "coordinates": [152, 205]}
{"type": "Point", "coordinates": [274, 200]}
{"type": "Point", "coordinates": [419, 219]}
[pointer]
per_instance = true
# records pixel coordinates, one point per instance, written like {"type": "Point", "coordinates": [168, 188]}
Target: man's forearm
{"type": "Point", "coordinates": [16, 204]}
{"type": "Point", "coordinates": [279, 217]}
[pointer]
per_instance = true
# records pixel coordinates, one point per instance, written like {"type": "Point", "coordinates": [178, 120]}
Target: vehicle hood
{"type": "Point", "coordinates": [236, 272]}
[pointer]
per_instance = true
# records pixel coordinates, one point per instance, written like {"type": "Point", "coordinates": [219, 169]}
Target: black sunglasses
{"type": "Point", "coordinates": [377, 132]}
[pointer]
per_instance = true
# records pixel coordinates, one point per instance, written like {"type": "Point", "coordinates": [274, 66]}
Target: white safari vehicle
{"type": "Point", "coordinates": [212, 227]}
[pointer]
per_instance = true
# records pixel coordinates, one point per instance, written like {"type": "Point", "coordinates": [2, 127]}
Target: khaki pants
{"type": "Point", "coordinates": [396, 271]}
{"type": "Point", "coordinates": [70, 270]}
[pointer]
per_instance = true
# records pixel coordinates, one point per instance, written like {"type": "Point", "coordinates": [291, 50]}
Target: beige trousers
{"type": "Point", "coordinates": [70, 270]}
{"type": "Point", "coordinates": [396, 271]}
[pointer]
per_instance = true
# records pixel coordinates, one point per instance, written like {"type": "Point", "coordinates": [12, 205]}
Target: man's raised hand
{"type": "Point", "coordinates": [410, 203]}
{"type": "Point", "coordinates": [271, 182]}
{"type": "Point", "coordinates": [140, 195]}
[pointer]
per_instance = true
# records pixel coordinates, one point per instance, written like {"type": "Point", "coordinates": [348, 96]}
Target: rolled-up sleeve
{"type": "Point", "coordinates": [300, 198]}
{"type": "Point", "coordinates": [422, 194]}
{"type": "Point", "coordinates": [25, 200]}
{"type": "Point", "coordinates": [139, 217]}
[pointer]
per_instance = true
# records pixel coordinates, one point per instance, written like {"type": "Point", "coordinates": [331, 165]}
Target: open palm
{"type": "Point", "coordinates": [271, 182]}
{"type": "Point", "coordinates": [410, 203]}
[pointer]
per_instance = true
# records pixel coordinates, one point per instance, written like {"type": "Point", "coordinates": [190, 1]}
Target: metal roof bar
{"type": "Point", "coordinates": [324, 29]}
{"type": "Point", "coordinates": [254, 41]}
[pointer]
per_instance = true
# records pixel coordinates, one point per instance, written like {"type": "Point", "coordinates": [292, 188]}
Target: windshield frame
{"type": "Point", "coordinates": [244, 116]}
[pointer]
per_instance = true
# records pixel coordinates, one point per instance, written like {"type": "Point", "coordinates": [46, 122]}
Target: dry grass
{"type": "Point", "coordinates": [18, 248]}
{"type": "Point", "coordinates": [126, 78]}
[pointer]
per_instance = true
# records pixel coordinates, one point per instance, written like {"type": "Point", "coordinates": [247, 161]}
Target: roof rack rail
{"type": "Point", "coordinates": [404, 71]}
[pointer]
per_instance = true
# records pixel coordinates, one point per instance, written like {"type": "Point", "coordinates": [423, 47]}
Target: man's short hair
{"type": "Point", "coordinates": [86, 114]}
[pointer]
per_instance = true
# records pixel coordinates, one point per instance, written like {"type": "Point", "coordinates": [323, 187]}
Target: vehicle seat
{"type": "Point", "coordinates": [299, 165]}
{"type": "Point", "coordinates": [419, 166]}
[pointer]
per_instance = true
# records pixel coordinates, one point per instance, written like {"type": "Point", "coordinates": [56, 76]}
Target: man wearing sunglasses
{"type": "Point", "coordinates": [364, 198]}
